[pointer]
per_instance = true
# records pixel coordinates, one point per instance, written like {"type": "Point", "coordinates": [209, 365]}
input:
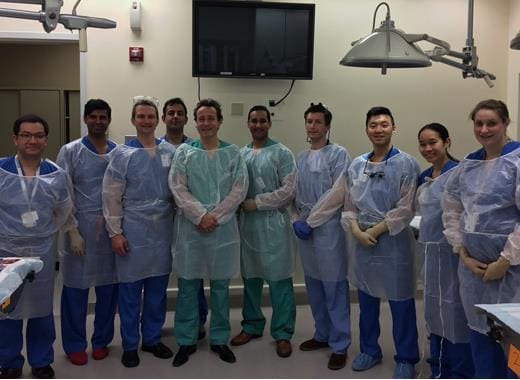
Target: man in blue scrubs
{"type": "Point", "coordinates": [35, 203]}
{"type": "Point", "coordinates": [88, 260]}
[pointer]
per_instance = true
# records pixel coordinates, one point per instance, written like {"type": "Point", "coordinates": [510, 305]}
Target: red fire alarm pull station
{"type": "Point", "coordinates": [136, 54]}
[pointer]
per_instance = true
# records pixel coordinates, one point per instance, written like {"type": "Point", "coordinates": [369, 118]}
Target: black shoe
{"type": "Point", "coordinates": [202, 332]}
{"type": "Point", "coordinates": [43, 372]}
{"type": "Point", "coordinates": [224, 353]}
{"type": "Point", "coordinates": [130, 359]}
{"type": "Point", "coordinates": [183, 354]}
{"type": "Point", "coordinates": [10, 373]}
{"type": "Point", "coordinates": [158, 350]}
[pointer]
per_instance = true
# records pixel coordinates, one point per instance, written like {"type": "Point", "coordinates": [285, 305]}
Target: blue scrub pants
{"type": "Point", "coordinates": [404, 328]}
{"type": "Point", "coordinates": [450, 360]}
{"type": "Point", "coordinates": [330, 306]}
{"type": "Point", "coordinates": [153, 310]}
{"type": "Point", "coordinates": [489, 358]}
{"type": "Point", "coordinates": [74, 305]}
{"type": "Point", "coordinates": [39, 337]}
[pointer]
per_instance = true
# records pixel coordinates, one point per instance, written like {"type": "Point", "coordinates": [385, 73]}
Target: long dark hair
{"type": "Point", "coordinates": [443, 133]}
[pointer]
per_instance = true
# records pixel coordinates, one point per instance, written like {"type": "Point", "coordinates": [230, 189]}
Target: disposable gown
{"type": "Point", "coordinates": [138, 203]}
{"type": "Point", "coordinates": [48, 196]}
{"type": "Point", "coordinates": [443, 309]}
{"type": "Point", "coordinates": [387, 269]}
{"type": "Point", "coordinates": [266, 234]}
{"type": "Point", "coordinates": [205, 181]}
{"type": "Point", "coordinates": [481, 212]}
{"type": "Point", "coordinates": [86, 170]}
{"type": "Point", "coordinates": [324, 255]}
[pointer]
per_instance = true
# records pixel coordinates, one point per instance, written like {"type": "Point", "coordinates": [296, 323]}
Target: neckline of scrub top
{"type": "Point", "coordinates": [9, 165]}
{"type": "Point", "coordinates": [198, 144]}
{"type": "Point", "coordinates": [268, 143]}
{"type": "Point", "coordinates": [481, 153]}
{"type": "Point", "coordinates": [392, 152]}
{"type": "Point", "coordinates": [428, 172]}
{"type": "Point", "coordinates": [184, 139]}
{"type": "Point", "coordinates": [135, 143]}
{"type": "Point", "coordinates": [88, 144]}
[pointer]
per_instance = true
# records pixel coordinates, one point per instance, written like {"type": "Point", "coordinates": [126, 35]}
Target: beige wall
{"type": "Point", "coordinates": [39, 66]}
{"type": "Point", "coordinates": [416, 96]}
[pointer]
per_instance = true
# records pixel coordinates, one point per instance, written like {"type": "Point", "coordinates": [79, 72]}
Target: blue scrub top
{"type": "Point", "coordinates": [392, 152]}
{"type": "Point", "coordinates": [428, 172]}
{"type": "Point", "coordinates": [9, 164]}
{"type": "Point", "coordinates": [481, 153]}
{"type": "Point", "coordinates": [135, 143]}
{"type": "Point", "coordinates": [85, 141]}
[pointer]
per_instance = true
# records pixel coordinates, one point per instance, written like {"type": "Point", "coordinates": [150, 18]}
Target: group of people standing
{"type": "Point", "coordinates": [234, 211]}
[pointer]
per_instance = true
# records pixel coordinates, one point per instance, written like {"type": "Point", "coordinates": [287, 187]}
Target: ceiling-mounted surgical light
{"type": "Point", "coordinates": [50, 16]}
{"type": "Point", "coordinates": [387, 47]}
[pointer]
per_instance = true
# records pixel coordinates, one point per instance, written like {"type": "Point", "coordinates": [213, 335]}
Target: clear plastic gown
{"type": "Point", "coordinates": [443, 308]}
{"type": "Point", "coordinates": [86, 170]}
{"type": "Point", "coordinates": [203, 181]}
{"type": "Point", "coordinates": [324, 255]}
{"type": "Point", "coordinates": [53, 205]}
{"type": "Point", "coordinates": [481, 212]}
{"type": "Point", "coordinates": [386, 270]}
{"type": "Point", "coordinates": [266, 234]}
{"type": "Point", "coordinates": [138, 204]}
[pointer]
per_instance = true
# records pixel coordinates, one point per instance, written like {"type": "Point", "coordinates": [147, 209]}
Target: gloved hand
{"type": "Point", "coordinates": [472, 264]}
{"type": "Point", "coordinates": [302, 230]}
{"type": "Point", "coordinates": [497, 269]}
{"type": "Point", "coordinates": [77, 244]}
{"type": "Point", "coordinates": [364, 238]}
{"type": "Point", "coordinates": [249, 205]}
{"type": "Point", "coordinates": [377, 230]}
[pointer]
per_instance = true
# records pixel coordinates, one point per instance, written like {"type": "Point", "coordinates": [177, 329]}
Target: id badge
{"type": "Point", "coordinates": [29, 219]}
{"type": "Point", "coordinates": [166, 160]}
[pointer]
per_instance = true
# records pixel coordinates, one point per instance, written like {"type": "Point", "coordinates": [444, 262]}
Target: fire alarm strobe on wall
{"type": "Point", "coordinates": [136, 54]}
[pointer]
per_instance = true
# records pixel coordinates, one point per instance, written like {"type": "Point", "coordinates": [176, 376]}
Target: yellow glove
{"type": "Point", "coordinates": [497, 269]}
{"type": "Point", "coordinates": [377, 230]}
{"type": "Point", "coordinates": [249, 205]}
{"type": "Point", "coordinates": [77, 244]}
{"type": "Point", "coordinates": [364, 238]}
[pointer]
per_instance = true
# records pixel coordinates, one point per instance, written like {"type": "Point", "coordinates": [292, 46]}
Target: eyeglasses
{"type": "Point", "coordinates": [378, 174]}
{"type": "Point", "coordinates": [140, 98]}
{"type": "Point", "coordinates": [28, 136]}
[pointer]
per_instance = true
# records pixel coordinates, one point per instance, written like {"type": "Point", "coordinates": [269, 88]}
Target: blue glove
{"type": "Point", "coordinates": [302, 230]}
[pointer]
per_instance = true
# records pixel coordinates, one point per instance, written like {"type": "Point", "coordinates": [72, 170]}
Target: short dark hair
{"type": "Point", "coordinates": [97, 104]}
{"type": "Point", "coordinates": [209, 103]}
{"type": "Point", "coordinates": [173, 101]}
{"type": "Point", "coordinates": [30, 118]}
{"type": "Point", "coordinates": [145, 102]}
{"type": "Point", "coordinates": [260, 108]}
{"type": "Point", "coordinates": [494, 105]}
{"type": "Point", "coordinates": [320, 107]}
{"type": "Point", "coordinates": [379, 110]}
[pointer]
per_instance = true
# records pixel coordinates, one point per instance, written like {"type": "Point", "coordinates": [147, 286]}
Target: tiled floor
{"type": "Point", "coordinates": [257, 359]}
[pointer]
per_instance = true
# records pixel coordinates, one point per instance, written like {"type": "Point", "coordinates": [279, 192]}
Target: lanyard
{"type": "Point", "coordinates": [24, 184]}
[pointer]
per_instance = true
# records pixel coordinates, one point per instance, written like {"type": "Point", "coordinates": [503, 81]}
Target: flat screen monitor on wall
{"type": "Point", "coordinates": [253, 39]}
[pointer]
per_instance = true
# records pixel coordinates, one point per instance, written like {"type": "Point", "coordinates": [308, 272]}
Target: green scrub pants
{"type": "Point", "coordinates": [282, 301]}
{"type": "Point", "coordinates": [186, 325]}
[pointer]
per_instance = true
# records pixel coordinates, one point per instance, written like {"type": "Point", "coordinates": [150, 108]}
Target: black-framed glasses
{"type": "Point", "coordinates": [376, 174]}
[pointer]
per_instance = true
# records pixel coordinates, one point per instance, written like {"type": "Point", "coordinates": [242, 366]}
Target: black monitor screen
{"type": "Point", "coordinates": [253, 39]}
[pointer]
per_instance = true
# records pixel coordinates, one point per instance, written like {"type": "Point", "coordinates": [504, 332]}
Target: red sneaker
{"type": "Point", "coordinates": [78, 358]}
{"type": "Point", "coordinates": [100, 353]}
